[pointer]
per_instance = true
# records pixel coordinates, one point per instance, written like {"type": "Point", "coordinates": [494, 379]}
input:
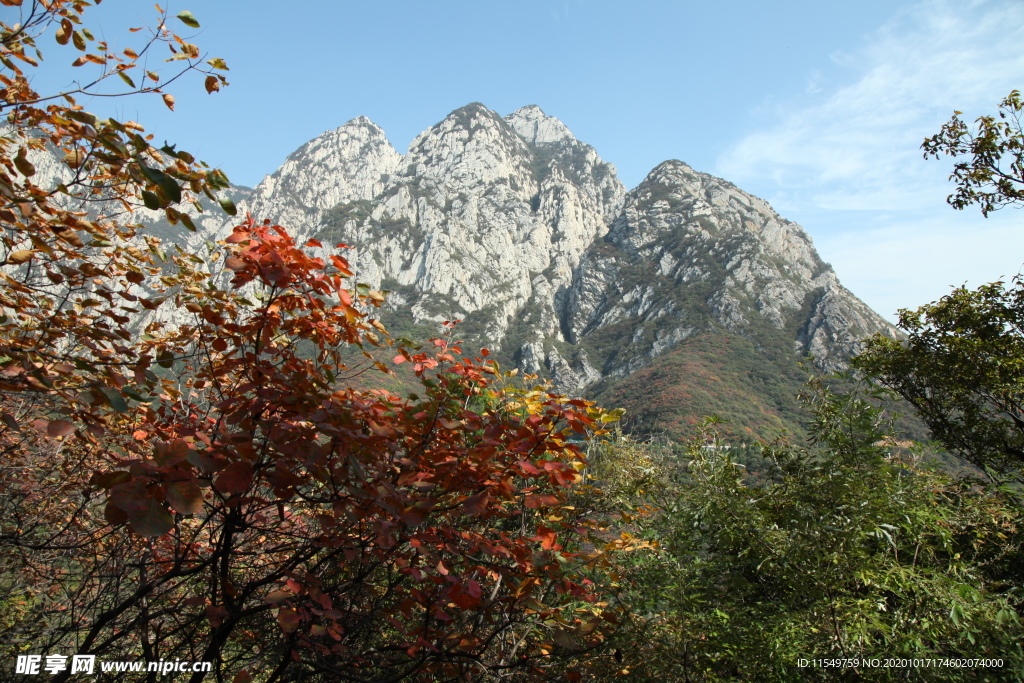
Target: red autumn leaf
{"type": "Point", "coordinates": [536, 501]}
{"type": "Point", "coordinates": [170, 452]}
{"type": "Point", "coordinates": [185, 497]}
{"type": "Point", "coordinates": [234, 479]}
{"type": "Point", "coordinates": [462, 598]}
{"type": "Point", "coordinates": [476, 504]}
{"type": "Point", "coordinates": [146, 515]}
{"type": "Point", "coordinates": [528, 468]}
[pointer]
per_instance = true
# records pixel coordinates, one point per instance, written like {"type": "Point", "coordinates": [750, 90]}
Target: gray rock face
{"type": "Point", "coordinates": [523, 231]}
{"type": "Point", "coordinates": [691, 251]}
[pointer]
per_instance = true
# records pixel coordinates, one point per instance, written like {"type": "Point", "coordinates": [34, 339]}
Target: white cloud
{"type": "Point", "coordinates": [854, 147]}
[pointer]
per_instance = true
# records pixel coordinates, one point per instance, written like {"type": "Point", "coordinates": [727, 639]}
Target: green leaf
{"type": "Point", "coordinates": [218, 63]}
{"type": "Point", "coordinates": [227, 205]}
{"type": "Point", "coordinates": [151, 520]}
{"type": "Point", "coordinates": [126, 78]}
{"type": "Point", "coordinates": [171, 189]}
{"type": "Point", "coordinates": [150, 200]}
{"type": "Point", "coordinates": [188, 19]}
{"type": "Point", "coordinates": [82, 365]}
{"type": "Point", "coordinates": [115, 399]}
{"type": "Point", "coordinates": [133, 395]}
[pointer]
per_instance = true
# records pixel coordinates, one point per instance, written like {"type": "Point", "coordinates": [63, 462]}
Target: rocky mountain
{"type": "Point", "coordinates": [524, 233]}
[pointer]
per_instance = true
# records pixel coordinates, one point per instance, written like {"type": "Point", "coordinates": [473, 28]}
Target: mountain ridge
{"type": "Point", "coordinates": [526, 234]}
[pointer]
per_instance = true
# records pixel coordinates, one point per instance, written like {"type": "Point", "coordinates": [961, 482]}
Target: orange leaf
{"type": "Point", "coordinates": [547, 538]}
{"type": "Point", "coordinates": [288, 619]}
{"type": "Point", "coordinates": [169, 101]}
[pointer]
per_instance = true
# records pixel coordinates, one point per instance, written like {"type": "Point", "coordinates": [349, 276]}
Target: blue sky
{"type": "Point", "coordinates": [818, 107]}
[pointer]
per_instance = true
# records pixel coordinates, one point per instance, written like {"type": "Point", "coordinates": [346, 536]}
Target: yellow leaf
{"type": "Point", "coordinates": [20, 256]}
{"type": "Point", "coordinates": [74, 158]}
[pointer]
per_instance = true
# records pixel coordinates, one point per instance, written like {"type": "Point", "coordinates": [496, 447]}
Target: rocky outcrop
{"type": "Point", "coordinates": [525, 233]}
{"type": "Point", "coordinates": [690, 252]}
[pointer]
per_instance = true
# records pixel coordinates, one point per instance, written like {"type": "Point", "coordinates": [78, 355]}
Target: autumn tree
{"type": "Point", "coordinates": [188, 473]}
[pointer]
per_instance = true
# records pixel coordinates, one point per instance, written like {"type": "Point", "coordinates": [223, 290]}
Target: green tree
{"type": "Point", "coordinates": [962, 363]}
{"type": "Point", "coordinates": [851, 550]}
{"type": "Point", "coordinates": [962, 368]}
{"type": "Point", "coordinates": [993, 176]}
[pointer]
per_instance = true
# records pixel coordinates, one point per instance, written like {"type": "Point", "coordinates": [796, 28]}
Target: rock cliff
{"type": "Point", "coordinates": [522, 231]}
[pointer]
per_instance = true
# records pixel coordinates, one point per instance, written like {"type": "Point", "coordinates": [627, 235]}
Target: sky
{"type": "Point", "coordinates": [818, 107]}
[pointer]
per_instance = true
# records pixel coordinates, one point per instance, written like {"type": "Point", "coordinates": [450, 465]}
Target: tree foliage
{"type": "Point", "coordinates": [187, 473]}
{"type": "Point", "coordinates": [850, 551]}
{"type": "Point", "coordinates": [962, 363]}
{"type": "Point", "coordinates": [993, 176]}
{"type": "Point", "coordinates": [962, 367]}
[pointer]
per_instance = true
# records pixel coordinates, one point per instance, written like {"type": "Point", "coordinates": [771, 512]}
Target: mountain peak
{"type": "Point", "coordinates": [361, 122]}
{"type": "Point", "coordinates": [522, 231]}
{"type": "Point", "coordinates": [537, 128]}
